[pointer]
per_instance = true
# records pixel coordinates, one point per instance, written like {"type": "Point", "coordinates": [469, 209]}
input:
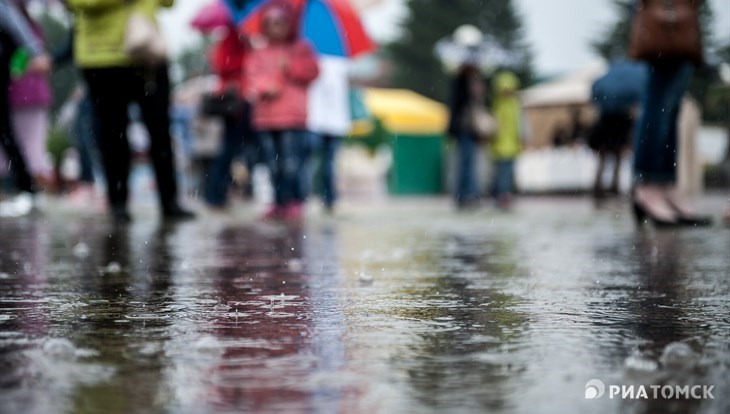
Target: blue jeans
{"type": "Point", "coordinates": [466, 187]}
{"type": "Point", "coordinates": [237, 130]}
{"type": "Point", "coordinates": [287, 163]}
{"type": "Point", "coordinates": [329, 147]}
{"type": "Point", "coordinates": [86, 130]}
{"type": "Point", "coordinates": [309, 145]}
{"type": "Point", "coordinates": [655, 146]}
{"type": "Point", "coordinates": [504, 176]}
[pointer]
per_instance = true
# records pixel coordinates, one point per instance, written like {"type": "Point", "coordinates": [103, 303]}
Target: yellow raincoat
{"type": "Point", "coordinates": [507, 142]}
{"type": "Point", "coordinates": [100, 27]}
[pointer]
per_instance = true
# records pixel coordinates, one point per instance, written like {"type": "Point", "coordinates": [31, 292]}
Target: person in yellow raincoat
{"type": "Point", "coordinates": [511, 132]}
{"type": "Point", "coordinates": [115, 80]}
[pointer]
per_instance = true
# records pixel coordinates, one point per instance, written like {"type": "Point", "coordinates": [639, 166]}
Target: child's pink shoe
{"type": "Point", "coordinates": [294, 212]}
{"type": "Point", "coordinates": [273, 213]}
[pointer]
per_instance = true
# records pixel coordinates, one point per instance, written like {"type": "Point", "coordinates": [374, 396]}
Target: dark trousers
{"type": "Point", "coordinates": [86, 129]}
{"type": "Point", "coordinates": [655, 147]}
{"type": "Point", "coordinates": [23, 179]}
{"type": "Point", "coordinates": [330, 144]}
{"type": "Point", "coordinates": [287, 161]}
{"type": "Point", "coordinates": [112, 90]}
{"type": "Point", "coordinates": [504, 177]}
{"type": "Point", "coordinates": [466, 184]}
{"type": "Point", "coordinates": [235, 135]}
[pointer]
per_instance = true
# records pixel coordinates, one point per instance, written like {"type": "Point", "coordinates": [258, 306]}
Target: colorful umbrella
{"type": "Point", "coordinates": [211, 17]}
{"type": "Point", "coordinates": [242, 9]}
{"type": "Point", "coordinates": [332, 26]}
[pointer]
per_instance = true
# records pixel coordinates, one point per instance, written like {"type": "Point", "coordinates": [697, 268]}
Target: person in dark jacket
{"type": "Point", "coordinates": [468, 88]}
{"type": "Point", "coordinates": [227, 60]}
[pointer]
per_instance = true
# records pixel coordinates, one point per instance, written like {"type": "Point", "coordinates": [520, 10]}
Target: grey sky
{"type": "Point", "coordinates": [560, 31]}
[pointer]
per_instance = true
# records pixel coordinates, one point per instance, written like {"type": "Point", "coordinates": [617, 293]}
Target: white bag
{"type": "Point", "coordinates": [482, 122]}
{"type": "Point", "coordinates": [143, 41]}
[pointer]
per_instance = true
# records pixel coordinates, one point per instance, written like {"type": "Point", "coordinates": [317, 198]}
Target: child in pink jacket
{"type": "Point", "coordinates": [278, 74]}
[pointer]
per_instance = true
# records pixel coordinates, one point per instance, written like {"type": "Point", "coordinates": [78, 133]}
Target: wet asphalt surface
{"type": "Point", "coordinates": [403, 307]}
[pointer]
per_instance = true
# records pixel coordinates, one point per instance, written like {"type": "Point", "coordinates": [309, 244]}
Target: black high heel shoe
{"type": "Point", "coordinates": [642, 215]}
{"type": "Point", "coordinates": [690, 220]}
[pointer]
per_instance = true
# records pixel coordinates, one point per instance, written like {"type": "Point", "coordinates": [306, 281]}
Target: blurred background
{"type": "Point", "coordinates": [562, 47]}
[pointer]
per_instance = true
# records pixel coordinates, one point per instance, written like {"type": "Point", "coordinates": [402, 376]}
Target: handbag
{"type": "Point", "coordinates": [481, 122]}
{"type": "Point", "coordinates": [223, 104]}
{"type": "Point", "coordinates": [143, 41]}
{"type": "Point", "coordinates": [666, 30]}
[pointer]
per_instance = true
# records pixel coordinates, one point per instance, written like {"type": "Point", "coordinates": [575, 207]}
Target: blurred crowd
{"type": "Point", "coordinates": [280, 100]}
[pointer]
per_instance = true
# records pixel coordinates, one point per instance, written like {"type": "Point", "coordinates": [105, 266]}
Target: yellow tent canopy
{"type": "Point", "coordinates": [406, 112]}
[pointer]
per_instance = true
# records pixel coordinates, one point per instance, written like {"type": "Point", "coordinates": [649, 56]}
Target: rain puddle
{"type": "Point", "coordinates": [385, 312]}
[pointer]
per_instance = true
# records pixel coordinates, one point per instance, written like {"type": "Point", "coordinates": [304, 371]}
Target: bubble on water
{"type": "Point", "coordinates": [59, 348]}
{"type": "Point", "coordinates": [149, 349]}
{"type": "Point", "coordinates": [678, 356]}
{"type": "Point", "coordinates": [81, 250]}
{"type": "Point", "coordinates": [208, 345]}
{"type": "Point", "coordinates": [296, 265]}
{"type": "Point", "coordinates": [221, 307]}
{"type": "Point", "coordinates": [5, 318]}
{"type": "Point", "coordinates": [113, 267]}
{"type": "Point", "coordinates": [639, 363]}
{"type": "Point", "coordinates": [365, 279]}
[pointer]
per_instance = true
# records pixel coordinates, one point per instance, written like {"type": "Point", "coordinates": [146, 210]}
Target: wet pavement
{"type": "Point", "coordinates": [405, 307]}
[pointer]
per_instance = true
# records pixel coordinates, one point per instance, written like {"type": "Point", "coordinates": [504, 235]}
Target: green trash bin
{"type": "Point", "coordinates": [417, 164]}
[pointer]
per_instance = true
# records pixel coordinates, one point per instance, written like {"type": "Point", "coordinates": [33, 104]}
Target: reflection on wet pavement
{"type": "Point", "coordinates": [402, 308]}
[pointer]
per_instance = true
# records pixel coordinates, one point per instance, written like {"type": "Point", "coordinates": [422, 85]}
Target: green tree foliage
{"type": "Point", "coordinates": [615, 41]}
{"type": "Point", "coordinates": [415, 65]}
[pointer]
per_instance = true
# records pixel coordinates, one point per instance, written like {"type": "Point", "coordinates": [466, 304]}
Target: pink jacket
{"type": "Point", "coordinates": [277, 77]}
